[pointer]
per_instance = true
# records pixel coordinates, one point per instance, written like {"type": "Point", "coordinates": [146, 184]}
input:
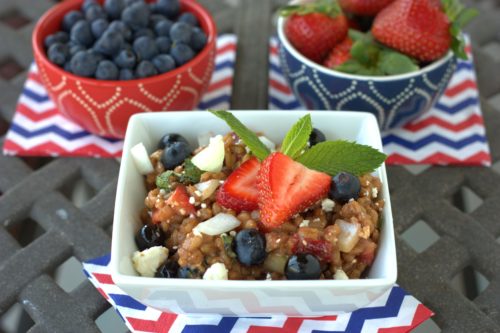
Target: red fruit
{"type": "Point", "coordinates": [179, 201]}
{"type": "Point", "coordinates": [364, 7]}
{"type": "Point", "coordinates": [239, 191]}
{"type": "Point", "coordinates": [286, 188]}
{"type": "Point", "coordinates": [339, 54]}
{"type": "Point", "coordinates": [368, 254]}
{"type": "Point", "coordinates": [314, 34]}
{"type": "Point", "coordinates": [321, 248]}
{"type": "Point", "coordinates": [418, 28]}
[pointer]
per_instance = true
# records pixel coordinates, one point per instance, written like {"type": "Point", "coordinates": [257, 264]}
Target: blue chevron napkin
{"type": "Point", "coordinates": [394, 312]}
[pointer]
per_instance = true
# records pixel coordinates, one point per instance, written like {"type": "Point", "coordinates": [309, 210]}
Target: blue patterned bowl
{"type": "Point", "coordinates": [394, 100]}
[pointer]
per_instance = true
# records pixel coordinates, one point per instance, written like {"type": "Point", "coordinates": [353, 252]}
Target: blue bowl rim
{"type": "Point", "coordinates": [288, 46]}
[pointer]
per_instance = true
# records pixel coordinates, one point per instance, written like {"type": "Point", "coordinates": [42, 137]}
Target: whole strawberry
{"type": "Point", "coordinates": [364, 7]}
{"type": "Point", "coordinates": [339, 54]}
{"type": "Point", "coordinates": [423, 29]}
{"type": "Point", "coordinates": [315, 28]}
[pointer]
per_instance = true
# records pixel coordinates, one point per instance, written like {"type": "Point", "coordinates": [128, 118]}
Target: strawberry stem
{"type": "Point", "coordinates": [327, 7]}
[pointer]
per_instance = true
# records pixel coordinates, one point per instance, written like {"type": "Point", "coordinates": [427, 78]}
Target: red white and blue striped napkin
{"type": "Point", "coordinates": [450, 133]}
{"type": "Point", "coordinates": [393, 312]}
{"type": "Point", "coordinates": [38, 128]}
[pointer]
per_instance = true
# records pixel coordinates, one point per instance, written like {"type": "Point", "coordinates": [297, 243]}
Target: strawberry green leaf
{"type": "Point", "coordinates": [393, 63]}
{"type": "Point", "coordinates": [296, 139]}
{"type": "Point", "coordinates": [333, 157]}
{"type": "Point", "coordinates": [459, 16]}
{"type": "Point", "coordinates": [247, 136]}
{"type": "Point", "coordinates": [365, 52]}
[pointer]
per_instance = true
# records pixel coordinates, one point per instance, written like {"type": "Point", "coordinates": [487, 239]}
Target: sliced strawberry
{"type": "Point", "coordinates": [368, 254]}
{"type": "Point", "coordinates": [179, 201]}
{"type": "Point", "coordinates": [287, 187]}
{"type": "Point", "coordinates": [239, 191]}
{"type": "Point", "coordinates": [339, 54]}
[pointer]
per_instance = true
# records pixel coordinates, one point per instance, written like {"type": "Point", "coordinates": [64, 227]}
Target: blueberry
{"type": "Point", "coordinates": [198, 39]}
{"type": "Point", "coordinates": [168, 270]}
{"type": "Point", "coordinates": [131, 2]}
{"type": "Point", "coordinates": [107, 70]}
{"type": "Point", "coordinates": [174, 154]}
{"type": "Point", "coordinates": [188, 18]}
{"type": "Point", "coordinates": [189, 273]}
{"type": "Point", "coordinates": [154, 19]}
{"type": "Point", "coordinates": [136, 16]}
{"type": "Point", "coordinates": [345, 186]}
{"type": "Point", "coordinates": [95, 12]}
{"type": "Point", "coordinates": [70, 19]}
{"type": "Point", "coordinates": [97, 55]}
{"type": "Point", "coordinates": [114, 8]}
{"type": "Point", "coordinates": [169, 8]}
{"type": "Point", "coordinates": [316, 137]}
{"type": "Point", "coordinates": [144, 32]}
{"type": "Point", "coordinates": [181, 32]}
{"type": "Point", "coordinates": [169, 139]}
{"type": "Point", "coordinates": [81, 33]}
{"type": "Point", "coordinates": [126, 74]}
{"type": "Point", "coordinates": [145, 48]}
{"type": "Point", "coordinates": [98, 27]}
{"type": "Point", "coordinates": [250, 247]}
{"type": "Point", "coordinates": [303, 266]}
{"type": "Point", "coordinates": [181, 53]}
{"type": "Point", "coordinates": [89, 3]}
{"type": "Point", "coordinates": [162, 28]}
{"type": "Point", "coordinates": [126, 59]}
{"type": "Point", "coordinates": [164, 63]}
{"type": "Point", "coordinates": [58, 53]}
{"type": "Point", "coordinates": [67, 67]}
{"type": "Point", "coordinates": [149, 236]}
{"type": "Point", "coordinates": [58, 37]}
{"type": "Point", "coordinates": [122, 28]}
{"type": "Point", "coordinates": [84, 63]}
{"type": "Point", "coordinates": [152, 7]}
{"type": "Point", "coordinates": [110, 43]}
{"type": "Point", "coordinates": [163, 44]}
{"type": "Point", "coordinates": [75, 48]}
{"type": "Point", "coordinates": [145, 69]}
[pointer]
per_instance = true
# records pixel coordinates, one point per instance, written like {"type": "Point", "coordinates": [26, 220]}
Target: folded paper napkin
{"type": "Point", "coordinates": [39, 129]}
{"type": "Point", "coordinates": [450, 133]}
{"type": "Point", "coordinates": [393, 312]}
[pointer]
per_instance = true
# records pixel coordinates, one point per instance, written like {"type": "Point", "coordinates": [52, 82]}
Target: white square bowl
{"type": "Point", "coordinates": [244, 298]}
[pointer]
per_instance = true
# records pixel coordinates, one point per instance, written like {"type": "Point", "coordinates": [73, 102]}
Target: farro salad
{"type": "Point", "coordinates": [241, 207]}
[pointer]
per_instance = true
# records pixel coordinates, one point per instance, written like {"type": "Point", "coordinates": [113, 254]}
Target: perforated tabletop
{"type": "Point", "coordinates": [44, 224]}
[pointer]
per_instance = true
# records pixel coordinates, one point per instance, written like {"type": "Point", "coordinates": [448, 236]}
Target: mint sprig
{"type": "Point", "coordinates": [333, 157]}
{"type": "Point", "coordinates": [247, 136]}
{"type": "Point", "coordinates": [191, 173]}
{"type": "Point", "coordinates": [296, 139]}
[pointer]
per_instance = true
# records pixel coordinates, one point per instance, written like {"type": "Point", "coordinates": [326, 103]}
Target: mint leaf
{"type": "Point", "coordinates": [249, 138]}
{"type": "Point", "coordinates": [163, 180]}
{"type": "Point", "coordinates": [393, 63]}
{"type": "Point", "coordinates": [227, 240]}
{"type": "Point", "coordinates": [296, 139]}
{"type": "Point", "coordinates": [191, 173]}
{"type": "Point", "coordinates": [333, 157]}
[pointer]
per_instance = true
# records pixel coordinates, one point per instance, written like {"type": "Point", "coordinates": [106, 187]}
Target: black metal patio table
{"type": "Point", "coordinates": [45, 223]}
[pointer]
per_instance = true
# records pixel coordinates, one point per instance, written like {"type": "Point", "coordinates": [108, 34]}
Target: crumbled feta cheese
{"type": "Point", "coordinates": [232, 233]}
{"type": "Point", "coordinates": [304, 223]}
{"type": "Point", "coordinates": [147, 262]}
{"type": "Point", "coordinates": [327, 205]}
{"type": "Point", "coordinates": [374, 192]}
{"type": "Point", "coordinates": [141, 159]}
{"type": "Point", "coordinates": [268, 277]}
{"type": "Point", "coordinates": [163, 192]}
{"type": "Point", "coordinates": [203, 205]}
{"type": "Point", "coordinates": [217, 271]}
{"type": "Point", "coordinates": [192, 200]}
{"type": "Point", "coordinates": [340, 275]}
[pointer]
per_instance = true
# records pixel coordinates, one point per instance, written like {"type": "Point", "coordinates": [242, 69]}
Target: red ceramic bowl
{"type": "Point", "coordinates": [104, 107]}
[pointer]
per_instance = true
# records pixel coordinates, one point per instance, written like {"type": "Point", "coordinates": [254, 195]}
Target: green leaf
{"type": "Point", "coordinates": [163, 180]}
{"type": "Point", "coordinates": [393, 63]}
{"type": "Point", "coordinates": [191, 173]}
{"type": "Point", "coordinates": [296, 139]}
{"type": "Point", "coordinates": [465, 16]}
{"type": "Point", "coordinates": [333, 157]}
{"type": "Point", "coordinates": [249, 138]}
{"type": "Point", "coordinates": [365, 52]}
